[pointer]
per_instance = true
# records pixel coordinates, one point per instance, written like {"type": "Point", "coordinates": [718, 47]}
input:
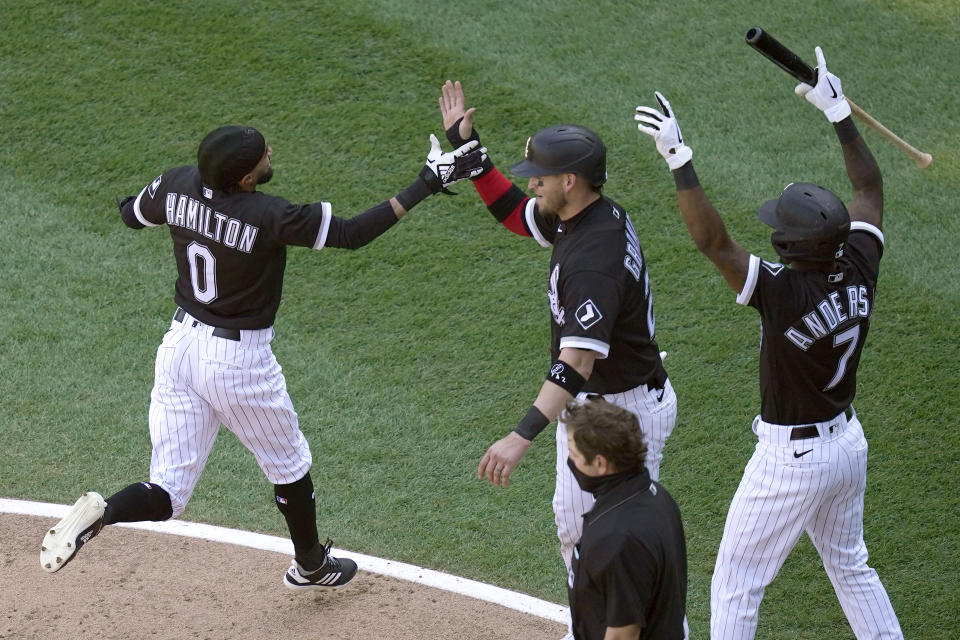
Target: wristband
{"type": "Point", "coordinates": [531, 424]}
{"type": "Point", "coordinates": [566, 377]}
{"type": "Point", "coordinates": [419, 190]}
{"type": "Point", "coordinates": [453, 135]}
{"type": "Point", "coordinates": [685, 177]}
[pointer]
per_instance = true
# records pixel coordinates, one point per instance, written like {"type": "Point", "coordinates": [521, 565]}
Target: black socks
{"type": "Point", "coordinates": [138, 502]}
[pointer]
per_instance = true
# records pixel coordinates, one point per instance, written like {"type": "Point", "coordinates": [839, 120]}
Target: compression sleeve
{"type": "Point", "coordinates": [361, 229]}
{"type": "Point", "coordinates": [504, 199]}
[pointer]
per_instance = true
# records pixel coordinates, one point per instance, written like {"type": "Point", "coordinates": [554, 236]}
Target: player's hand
{"type": "Point", "coordinates": [827, 95]}
{"type": "Point", "coordinates": [503, 455]}
{"type": "Point", "coordinates": [663, 128]}
{"type": "Point", "coordinates": [457, 119]}
{"type": "Point", "coordinates": [444, 169]}
{"type": "Point", "coordinates": [122, 203]}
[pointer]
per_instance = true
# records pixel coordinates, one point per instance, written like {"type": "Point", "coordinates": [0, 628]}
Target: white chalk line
{"type": "Point", "coordinates": [411, 573]}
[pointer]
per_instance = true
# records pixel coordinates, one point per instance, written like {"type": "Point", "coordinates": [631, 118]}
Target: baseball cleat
{"type": "Point", "coordinates": [334, 572]}
{"type": "Point", "coordinates": [64, 539]}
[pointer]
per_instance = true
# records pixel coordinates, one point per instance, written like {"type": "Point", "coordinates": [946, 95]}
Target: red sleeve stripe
{"type": "Point", "coordinates": [504, 200]}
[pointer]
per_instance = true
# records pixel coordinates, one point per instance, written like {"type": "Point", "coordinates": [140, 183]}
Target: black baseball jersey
{"type": "Point", "coordinates": [814, 326]}
{"type": "Point", "coordinates": [598, 286]}
{"type": "Point", "coordinates": [630, 566]}
{"type": "Point", "coordinates": [599, 294]}
{"type": "Point", "coordinates": [230, 247]}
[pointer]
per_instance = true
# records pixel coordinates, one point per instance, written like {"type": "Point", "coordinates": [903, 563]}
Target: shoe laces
{"type": "Point", "coordinates": [329, 560]}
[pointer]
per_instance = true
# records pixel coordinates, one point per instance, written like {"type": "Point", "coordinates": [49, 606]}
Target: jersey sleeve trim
{"type": "Point", "coordinates": [869, 228]}
{"type": "Point", "coordinates": [529, 218]}
{"type": "Point", "coordinates": [590, 344]}
{"type": "Point", "coordinates": [138, 213]}
{"type": "Point", "coordinates": [327, 210]}
{"type": "Point", "coordinates": [750, 284]}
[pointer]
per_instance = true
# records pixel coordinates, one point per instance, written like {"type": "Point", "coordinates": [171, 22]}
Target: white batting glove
{"type": "Point", "coordinates": [828, 94]}
{"type": "Point", "coordinates": [444, 169]}
{"type": "Point", "coordinates": [663, 128]}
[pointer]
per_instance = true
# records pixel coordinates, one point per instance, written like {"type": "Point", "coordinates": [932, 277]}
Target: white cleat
{"type": "Point", "coordinates": [64, 539]}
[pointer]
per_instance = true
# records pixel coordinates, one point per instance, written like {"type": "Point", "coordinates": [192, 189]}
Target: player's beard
{"type": "Point", "coordinates": [266, 177]}
{"type": "Point", "coordinates": [550, 204]}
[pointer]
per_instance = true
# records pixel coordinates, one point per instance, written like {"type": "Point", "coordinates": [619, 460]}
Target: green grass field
{"type": "Point", "coordinates": [406, 359]}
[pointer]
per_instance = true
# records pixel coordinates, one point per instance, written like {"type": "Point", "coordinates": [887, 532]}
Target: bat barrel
{"type": "Point", "coordinates": [780, 55]}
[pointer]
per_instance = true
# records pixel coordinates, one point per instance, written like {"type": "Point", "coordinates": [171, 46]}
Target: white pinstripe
{"type": "Point", "coordinates": [657, 419]}
{"type": "Point", "coordinates": [780, 497]}
{"type": "Point", "coordinates": [202, 381]}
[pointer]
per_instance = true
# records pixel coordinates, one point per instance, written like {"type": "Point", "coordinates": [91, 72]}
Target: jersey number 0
{"type": "Point", "coordinates": [203, 272]}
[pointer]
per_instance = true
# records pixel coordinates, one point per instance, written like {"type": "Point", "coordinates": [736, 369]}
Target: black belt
{"type": "Point", "coordinates": [811, 431]}
{"type": "Point", "coordinates": [220, 332]}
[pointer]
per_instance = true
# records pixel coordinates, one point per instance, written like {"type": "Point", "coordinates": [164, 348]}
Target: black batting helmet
{"type": "Point", "coordinates": [810, 223]}
{"type": "Point", "coordinates": [564, 148]}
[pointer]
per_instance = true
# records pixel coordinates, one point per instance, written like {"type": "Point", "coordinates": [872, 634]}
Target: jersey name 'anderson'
{"type": "Point", "coordinates": [189, 213]}
{"type": "Point", "coordinates": [830, 313]}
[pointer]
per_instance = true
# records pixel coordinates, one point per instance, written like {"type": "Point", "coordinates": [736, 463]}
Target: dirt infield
{"type": "Point", "coordinates": [134, 584]}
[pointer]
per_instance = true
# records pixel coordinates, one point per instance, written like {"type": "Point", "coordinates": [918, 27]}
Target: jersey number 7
{"type": "Point", "coordinates": [851, 336]}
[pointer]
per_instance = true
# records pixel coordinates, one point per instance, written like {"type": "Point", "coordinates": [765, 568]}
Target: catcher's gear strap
{"type": "Point", "coordinates": [362, 228]}
{"type": "Point", "coordinates": [504, 199]}
{"type": "Point", "coordinates": [846, 130]}
{"type": "Point", "coordinates": [566, 377]}
{"type": "Point", "coordinates": [531, 424]}
{"type": "Point", "coordinates": [297, 504]}
{"type": "Point", "coordinates": [685, 177]}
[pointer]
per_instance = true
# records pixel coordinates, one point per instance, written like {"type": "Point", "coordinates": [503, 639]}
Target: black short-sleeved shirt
{"type": "Point", "coordinates": [599, 293]}
{"type": "Point", "coordinates": [814, 327]}
{"type": "Point", "coordinates": [230, 247]}
{"type": "Point", "coordinates": [630, 566]}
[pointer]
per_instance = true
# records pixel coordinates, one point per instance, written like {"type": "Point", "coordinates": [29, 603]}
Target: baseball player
{"type": "Point", "coordinates": [630, 565]}
{"type": "Point", "coordinates": [808, 472]}
{"type": "Point", "coordinates": [601, 306]}
{"type": "Point", "coordinates": [215, 364]}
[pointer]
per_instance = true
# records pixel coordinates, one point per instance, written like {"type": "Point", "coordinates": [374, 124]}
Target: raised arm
{"type": "Point", "coordinates": [702, 219]}
{"type": "Point", "coordinates": [862, 168]}
{"type": "Point", "coordinates": [505, 200]}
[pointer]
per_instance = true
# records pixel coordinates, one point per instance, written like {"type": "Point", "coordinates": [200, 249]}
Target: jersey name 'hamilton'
{"type": "Point", "coordinates": [190, 213]}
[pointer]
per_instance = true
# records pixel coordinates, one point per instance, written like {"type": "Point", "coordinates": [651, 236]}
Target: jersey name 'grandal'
{"type": "Point", "coordinates": [189, 213]}
{"type": "Point", "coordinates": [828, 314]}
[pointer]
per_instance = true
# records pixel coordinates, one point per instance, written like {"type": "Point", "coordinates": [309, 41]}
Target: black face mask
{"type": "Point", "coordinates": [587, 483]}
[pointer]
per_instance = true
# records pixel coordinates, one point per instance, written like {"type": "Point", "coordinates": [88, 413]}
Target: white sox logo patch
{"type": "Point", "coordinates": [588, 314]}
{"type": "Point", "coordinates": [554, 297]}
{"type": "Point", "coordinates": [152, 189]}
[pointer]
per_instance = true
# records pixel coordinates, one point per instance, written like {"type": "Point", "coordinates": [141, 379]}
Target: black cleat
{"type": "Point", "coordinates": [334, 572]}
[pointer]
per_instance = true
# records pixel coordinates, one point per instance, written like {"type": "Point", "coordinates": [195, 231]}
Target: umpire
{"type": "Point", "coordinates": [630, 566]}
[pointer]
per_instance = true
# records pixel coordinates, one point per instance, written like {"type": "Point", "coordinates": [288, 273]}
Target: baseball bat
{"type": "Point", "coordinates": [796, 67]}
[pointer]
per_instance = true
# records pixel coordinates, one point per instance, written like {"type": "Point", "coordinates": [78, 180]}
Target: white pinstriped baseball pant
{"type": "Point", "coordinates": [782, 494]}
{"type": "Point", "coordinates": [202, 381]}
{"type": "Point", "coordinates": [657, 414]}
